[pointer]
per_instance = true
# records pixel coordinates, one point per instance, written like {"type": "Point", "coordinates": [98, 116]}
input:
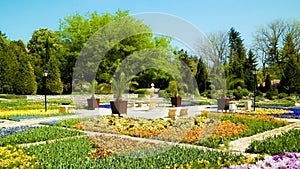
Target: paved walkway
{"type": "Point", "coordinates": [158, 112]}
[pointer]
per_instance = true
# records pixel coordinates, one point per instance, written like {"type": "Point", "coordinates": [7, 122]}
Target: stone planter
{"type": "Point", "coordinates": [119, 107]}
{"type": "Point", "coordinates": [223, 104]}
{"type": "Point", "coordinates": [93, 103]}
{"type": "Point", "coordinates": [176, 101]}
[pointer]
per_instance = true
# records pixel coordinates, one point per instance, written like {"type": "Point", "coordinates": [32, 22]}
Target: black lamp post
{"type": "Point", "coordinates": [254, 71]}
{"type": "Point", "coordinates": [45, 74]}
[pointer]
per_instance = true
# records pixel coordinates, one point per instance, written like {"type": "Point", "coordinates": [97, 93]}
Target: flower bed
{"type": "Point", "coordinates": [292, 112]}
{"type": "Point", "coordinates": [15, 157]}
{"type": "Point", "coordinates": [13, 130]}
{"type": "Point", "coordinates": [36, 135]}
{"type": "Point", "coordinates": [286, 160]}
{"type": "Point", "coordinates": [79, 153]}
{"type": "Point", "coordinates": [209, 130]}
{"type": "Point", "coordinates": [287, 142]}
{"type": "Point", "coordinates": [23, 114]}
{"type": "Point", "coordinates": [265, 111]}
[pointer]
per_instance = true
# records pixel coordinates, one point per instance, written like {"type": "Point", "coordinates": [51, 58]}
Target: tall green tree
{"type": "Point", "coordinates": [249, 66]}
{"type": "Point", "coordinates": [54, 84]}
{"type": "Point", "coordinates": [291, 72]}
{"type": "Point", "coordinates": [201, 76]}
{"type": "Point", "coordinates": [237, 58]}
{"type": "Point", "coordinates": [8, 66]}
{"type": "Point", "coordinates": [25, 80]}
{"type": "Point", "coordinates": [43, 46]}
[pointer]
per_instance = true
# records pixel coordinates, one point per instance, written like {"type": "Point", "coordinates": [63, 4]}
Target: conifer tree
{"type": "Point", "coordinates": [289, 82]}
{"type": "Point", "coordinates": [25, 80]}
{"type": "Point", "coordinates": [237, 59]}
{"type": "Point", "coordinates": [201, 76]}
{"type": "Point", "coordinates": [249, 66]}
{"type": "Point", "coordinates": [8, 67]}
{"type": "Point", "coordinates": [54, 84]}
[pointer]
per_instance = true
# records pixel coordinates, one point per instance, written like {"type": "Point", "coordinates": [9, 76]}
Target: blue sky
{"type": "Point", "coordinates": [19, 18]}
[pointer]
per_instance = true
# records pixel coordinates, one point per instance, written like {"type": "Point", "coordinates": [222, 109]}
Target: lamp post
{"type": "Point", "coordinates": [254, 72]}
{"type": "Point", "coordinates": [45, 74]}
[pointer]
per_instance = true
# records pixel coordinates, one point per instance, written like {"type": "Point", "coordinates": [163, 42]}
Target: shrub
{"type": "Point", "coordinates": [142, 91]}
{"type": "Point", "coordinates": [163, 93]}
{"type": "Point", "coordinates": [282, 95]}
{"type": "Point", "coordinates": [244, 92]}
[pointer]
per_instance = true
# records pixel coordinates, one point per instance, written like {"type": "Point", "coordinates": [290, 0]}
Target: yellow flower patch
{"type": "Point", "coordinates": [10, 113]}
{"type": "Point", "coordinates": [268, 111]}
{"type": "Point", "coordinates": [15, 157]}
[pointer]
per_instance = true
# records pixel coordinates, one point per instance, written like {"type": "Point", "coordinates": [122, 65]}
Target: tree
{"type": "Point", "coordinates": [268, 87]}
{"type": "Point", "coordinates": [54, 84]}
{"type": "Point", "coordinates": [43, 46]}
{"type": "Point", "coordinates": [25, 80]}
{"type": "Point", "coordinates": [289, 82]}
{"type": "Point", "coordinates": [201, 76]}
{"type": "Point", "coordinates": [269, 41]}
{"type": "Point", "coordinates": [8, 66]}
{"type": "Point", "coordinates": [250, 65]}
{"type": "Point", "coordinates": [236, 59]}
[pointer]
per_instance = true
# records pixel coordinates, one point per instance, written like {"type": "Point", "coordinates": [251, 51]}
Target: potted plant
{"type": "Point", "coordinates": [93, 102]}
{"type": "Point", "coordinates": [119, 84]}
{"type": "Point", "coordinates": [174, 95]}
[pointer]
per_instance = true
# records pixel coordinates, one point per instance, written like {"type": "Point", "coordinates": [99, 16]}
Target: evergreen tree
{"type": "Point", "coordinates": [201, 76]}
{"type": "Point", "coordinates": [268, 87]}
{"type": "Point", "coordinates": [249, 66]}
{"type": "Point", "coordinates": [43, 45]}
{"type": "Point", "coordinates": [8, 67]}
{"type": "Point", "coordinates": [25, 80]}
{"type": "Point", "coordinates": [237, 58]}
{"type": "Point", "coordinates": [54, 84]}
{"type": "Point", "coordinates": [289, 82]}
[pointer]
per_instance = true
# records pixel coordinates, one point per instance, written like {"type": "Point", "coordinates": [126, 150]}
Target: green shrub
{"type": "Point", "coordinates": [244, 92]}
{"type": "Point", "coordinates": [282, 95]}
{"type": "Point", "coordinates": [163, 93]}
{"type": "Point", "coordinates": [282, 103]}
{"type": "Point", "coordinates": [68, 123]}
{"type": "Point", "coordinates": [237, 95]}
{"type": "Point", "coordinates": [142, 91]}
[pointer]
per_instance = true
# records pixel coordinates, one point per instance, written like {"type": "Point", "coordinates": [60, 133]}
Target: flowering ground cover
{"type": "Point", "coordinates": [24, 104]}
{"type": "Point", "coordinates": [291, 112]}
{"type": "Point", "coordinates": [208, 129]}
{"type": "Point", "coordinates": [9, 131]}
{"type": "Point", "coordinates": [16, 157]}
{"type": "Point", "coordinates": [265, 111]}
{"type": "Point", "coordinates": [23, 114]}
{"type": "Point", "coordinates": [286, 160]}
